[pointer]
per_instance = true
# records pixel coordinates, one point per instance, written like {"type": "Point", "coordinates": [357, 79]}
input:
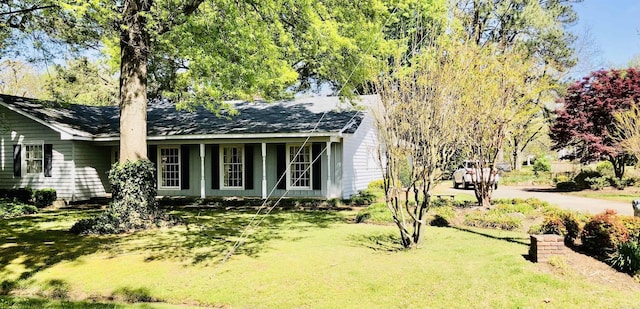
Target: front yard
{"type": "Point", "coordinates": [301, 259]}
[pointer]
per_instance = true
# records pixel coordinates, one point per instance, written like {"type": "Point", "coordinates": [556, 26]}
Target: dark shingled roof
{"type": "Point", "coordinates": [296, 116]}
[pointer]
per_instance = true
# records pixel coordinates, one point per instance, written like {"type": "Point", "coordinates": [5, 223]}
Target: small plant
{"type": "Point", "coordinates": [11, 209]}
{"type": "Point", "coordinates": [627, 257]}
{"type": "Point", "coordinates": [376, 185]}
{"type": "Point", "coordinates": [553, 224]}
{"type": "Point", "coordinates": [567, 186]}
{"type": "Point", "coordinates": [633, 226]}
{"type": "Point", "coordinates": [493, 220]}
{"type": "Point", "coordinates": [596, 183]}
{"type": "Point", "coordinates": [580, 179]}
{"type": "Point", "coordinates": [44, 197]}
{"type": "Point", "coordinates": [603, 233]}
{"type": "Point", "coordinates": [541, 164]}
{"type": "Point", "coordinates": [605, 168]}
{"type": "Point", "coordinates": [364, 197]}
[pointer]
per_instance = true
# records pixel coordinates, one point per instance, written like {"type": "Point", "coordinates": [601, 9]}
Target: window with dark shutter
{"type": "Point", "coordinates": [17, 160]}
{"type": "Point", "coordinates": [281, 166]}
{"type": "Point", "coordinates": [48, 159]}
{"type": "Point", "coordinates": [215, 167]}
{"type": "Point", "coordinates": [184, 168]}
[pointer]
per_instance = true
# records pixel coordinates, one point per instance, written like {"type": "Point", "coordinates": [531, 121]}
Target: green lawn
{"type": "Point", "coordinates": [610, 196]}
{"type": "Point", "coordinates": [306, 259]}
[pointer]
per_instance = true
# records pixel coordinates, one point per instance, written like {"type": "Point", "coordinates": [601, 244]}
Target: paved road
{"type": "Point", "coordinates": [583, 204]}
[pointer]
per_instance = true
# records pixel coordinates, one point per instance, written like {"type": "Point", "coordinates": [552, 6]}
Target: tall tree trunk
{"type": "Point", "coordinates": [135, 46]}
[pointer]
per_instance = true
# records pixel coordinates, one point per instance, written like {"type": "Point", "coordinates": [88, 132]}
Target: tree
{"type": "Point", "coordinates": [82, 82]}
{"type": "Point", "coordinates": [586, 122]}
{"type": "Point", "coordinates": [537, 30]}
{"type": "Point", "coordinates": [628, 129]}
{"type": "Point", "coordinates": [416, 123]}
{"type": "Point", "coordinates": [20, 79]}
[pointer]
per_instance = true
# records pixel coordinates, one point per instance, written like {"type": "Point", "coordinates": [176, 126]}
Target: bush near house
{"type": "Point", "coordinates": [23, 201]}
{"type": "Point", "coordinates": [45, 197]}
{"type": "Point", "coordinates": [10, 209]}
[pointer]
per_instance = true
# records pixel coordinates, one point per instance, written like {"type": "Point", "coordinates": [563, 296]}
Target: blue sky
{"type": "Point", "coordinates": [615, 29]}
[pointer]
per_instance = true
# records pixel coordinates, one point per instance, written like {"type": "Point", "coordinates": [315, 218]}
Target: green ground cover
{"type": "Point", "coordinates": [294, 259]}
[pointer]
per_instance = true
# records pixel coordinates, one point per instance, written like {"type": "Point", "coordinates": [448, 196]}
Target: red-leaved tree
{"type": "Point", "coordinates": [587, 124]}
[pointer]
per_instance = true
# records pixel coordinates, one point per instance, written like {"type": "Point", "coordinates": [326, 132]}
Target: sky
{"type": "Point", "coordinates": [614, 27]}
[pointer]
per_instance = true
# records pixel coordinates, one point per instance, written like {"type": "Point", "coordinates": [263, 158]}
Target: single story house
{"type": "Point", "coordinates": [71, 148]}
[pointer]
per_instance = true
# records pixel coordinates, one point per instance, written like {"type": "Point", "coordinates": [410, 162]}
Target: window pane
{"type": "Point", "coordinates": [232, 166]}
{"type": "Point", "coordinates": [300, 160]}
{"type": "Point", "coordinates": [34, 159]}
{"type": "Point", "coordinates": [170, 167]}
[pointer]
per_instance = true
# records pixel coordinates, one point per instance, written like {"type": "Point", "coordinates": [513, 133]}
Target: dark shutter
{"type": "Point", "coordinates": [281, 166]}
{"type": "Point", "coordinates": [215, 167]}
{"type": "Point", "coordinates": [48, 159]}
{"type": "Point", "coordinates": [152, 153]}
{"type": "Point", "coordinates": [248, 167]}
{"type": "Point", "coordinates": [184, 167]}
{"type": "Point", "coordinates": [17, 161]}
{"type": "Point", "coordinates": [316, 154]}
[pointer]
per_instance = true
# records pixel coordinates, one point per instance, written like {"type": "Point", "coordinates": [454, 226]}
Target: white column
{"type": "Point", "coordinates": [202, 178]}
{"type": "Point", "coordinates": [264, 170]}
{"type": "Point", "coordinates": [328, 151]}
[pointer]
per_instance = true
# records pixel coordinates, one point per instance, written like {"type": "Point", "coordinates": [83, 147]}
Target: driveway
{"type": "Point", "coordinates": [583, 204]}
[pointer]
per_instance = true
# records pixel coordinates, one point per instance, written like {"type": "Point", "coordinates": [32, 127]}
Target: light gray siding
{"type": "Point", "coordinates": [359, 164]}
{"type": "Point", "coordinates": [92, 168]}
{"type": "Point", "coordinates": [21, 130]}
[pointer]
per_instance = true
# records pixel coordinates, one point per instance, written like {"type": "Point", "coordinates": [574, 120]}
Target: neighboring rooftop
{"type": "Point", "coordinates": [300, 115]}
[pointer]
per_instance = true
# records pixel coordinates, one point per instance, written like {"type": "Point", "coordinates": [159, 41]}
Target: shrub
{"type": "Point", "coordinates": [567, 186]}
{"type": "Point", "coordinates": [364, 197]}
{"type": "Point", "coordinates": [553, 224]}
{"type": "Point", "coordinates": [542, 164]}
{"type": "Point", "coordinates": [561, 178]}
{"type": "Point", "coordinates": [11, 209]}
{"type": "Point", "coordinates": [605, 168]}
{"type": "Point", "coordinates": [523, 208]}
{"type": "Point", "coordinates": [633, 226]}
{"type": "Point", "coordinates": [44, 197]}
{"type": "Point", "coordinates": [627, 257]}
{"type": "Point", "coordinates": [493, 220]}
{"type": "Point", "coordinates": [22, 195]}
{"type": "Point", "coordinates": [596, 183]}
{"type": "Point", "coordinates": [376, 185]}
{"type": "Point", "coordinates": [580, 178]}
{"type": "Point", "coordinates": [375, 213]}
{"type": "Point", "coordinates": [603, 233]}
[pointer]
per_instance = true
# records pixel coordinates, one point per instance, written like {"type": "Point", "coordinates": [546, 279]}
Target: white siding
{"type": "Point", "coordinates": [92, 168]}
{"type": "Point", "coordinates": [359, 164]}
{"type": "Point", "coordinates": [17, 129]}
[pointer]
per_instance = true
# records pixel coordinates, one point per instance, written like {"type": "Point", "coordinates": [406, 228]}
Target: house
{"type": "Point", "coordinates": [71, 148]}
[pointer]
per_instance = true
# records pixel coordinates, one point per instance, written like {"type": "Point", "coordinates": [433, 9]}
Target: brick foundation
{"type": "Point", "coordinates": [545, 246]}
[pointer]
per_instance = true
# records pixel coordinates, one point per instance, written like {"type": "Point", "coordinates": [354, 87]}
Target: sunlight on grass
{"type": "Point", "coordinates": [294, 259]}
{"type": "Point", "coordinates": [609, 196]}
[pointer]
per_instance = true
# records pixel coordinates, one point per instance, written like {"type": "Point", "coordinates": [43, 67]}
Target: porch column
{"type": "Point", "coordinates": [202, 179]}
{"type": "Point", "coordinates": [328, 151]}
{"type": "Point", "coordinates": [264, 170]}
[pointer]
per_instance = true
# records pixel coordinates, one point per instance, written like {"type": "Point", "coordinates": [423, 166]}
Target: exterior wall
{"type": "Point", "coordinates": [22, 130]}
{"type": "Point", "coordinates": [92, 168]}
{"type": "Point", "coordinates": [360, 166]}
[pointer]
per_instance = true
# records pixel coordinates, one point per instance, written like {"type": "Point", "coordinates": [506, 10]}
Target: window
{"type": "Point", "coordinates": [232, 167]}
{"type": "Point", "coordinates": [169, 159]}
{"type": "Point", "coordinates": [34, 158]}
{"type": "Point", "coordinates": [299, 160]}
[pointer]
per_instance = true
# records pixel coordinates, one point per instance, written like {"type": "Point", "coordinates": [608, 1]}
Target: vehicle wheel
{"type": "Point", "coordinates": [467, 185]}
{"type": "Point", "coordinates": [455, 184]}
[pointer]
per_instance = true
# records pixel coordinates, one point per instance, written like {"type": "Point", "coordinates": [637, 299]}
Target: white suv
{"type": "Point", "coordinates": [467, 172]}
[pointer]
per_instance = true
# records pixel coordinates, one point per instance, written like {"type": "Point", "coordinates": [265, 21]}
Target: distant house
{"type": "Point", "coordinates": [72, 147]}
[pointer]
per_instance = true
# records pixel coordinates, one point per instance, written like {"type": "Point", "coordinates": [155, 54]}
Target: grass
{"type": "Point", "coordinates": [295, 259]}
{"type": "Point", "coordinates": [526, 176]}
{"type": "Point", "coordinates": [620, 196]}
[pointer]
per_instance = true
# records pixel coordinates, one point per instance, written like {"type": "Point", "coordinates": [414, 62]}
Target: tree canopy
{"type": "Point", "coordinates": [586, 122]}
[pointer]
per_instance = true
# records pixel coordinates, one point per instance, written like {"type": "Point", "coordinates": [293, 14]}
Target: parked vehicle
{"type": "Point", "coordinates": [468, 172]}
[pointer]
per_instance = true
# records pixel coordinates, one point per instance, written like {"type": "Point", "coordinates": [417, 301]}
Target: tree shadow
{"type": "Point", "coordinates": [380, 242]}
{"type": "Point", "coordinates": [516, 240]}
{"type": "Point", "coordinates": [37, 242]}
{"type": "Point", "coordinates": [209, 235]}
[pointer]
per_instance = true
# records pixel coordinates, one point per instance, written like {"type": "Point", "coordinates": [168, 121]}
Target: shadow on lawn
{"type": "Point", "coordinates": [37, 303]}
{"type": "Point", "coordinates": [210, 234]}
{"type": "Point", "coordinates": [382, 242]}
{"type": "Point", "coordinates": [517, 240]}
{"type": "Point", "coordinates": [33, 248]}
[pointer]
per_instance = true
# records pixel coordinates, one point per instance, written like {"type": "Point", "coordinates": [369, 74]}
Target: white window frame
{"type": "Point", "coordinates": [290, 185]}
{"type": "Point", "coordinates": [23, 159]}
{"type": "Point", "coordinates": [222, 165]}
{"type": "Point", "coordinates": [160, 168]}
